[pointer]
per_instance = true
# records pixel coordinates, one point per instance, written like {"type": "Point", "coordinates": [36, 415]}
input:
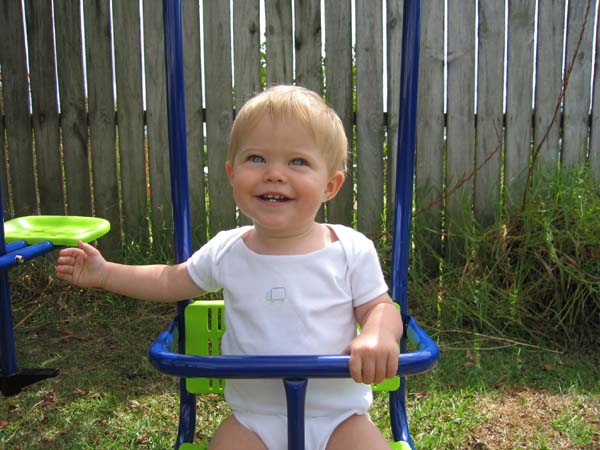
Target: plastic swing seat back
{"type": "Point", "coordinates": [60, 230]}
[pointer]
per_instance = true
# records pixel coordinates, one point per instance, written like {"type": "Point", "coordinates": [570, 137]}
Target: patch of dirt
{"type": "Point", "coordinates": [519, 417]}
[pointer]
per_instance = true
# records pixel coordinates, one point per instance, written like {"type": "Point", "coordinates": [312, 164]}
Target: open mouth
{"type": "Point", "coordinates": [273, 198]}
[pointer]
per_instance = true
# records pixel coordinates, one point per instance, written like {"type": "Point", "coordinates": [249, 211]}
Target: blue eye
{"type": "Point", "coordinates": [256, 159]}
{"type": "Point", "coordinates": [298, 162]}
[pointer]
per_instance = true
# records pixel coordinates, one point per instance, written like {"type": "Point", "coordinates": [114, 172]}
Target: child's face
{"type": "Point", "coordinates": [280, 178]}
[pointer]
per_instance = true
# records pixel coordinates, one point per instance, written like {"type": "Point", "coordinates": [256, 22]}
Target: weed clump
{"type": "Point", "coordinates": [534, 273]}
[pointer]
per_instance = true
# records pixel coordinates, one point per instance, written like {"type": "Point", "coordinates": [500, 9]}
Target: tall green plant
{"type": "Point", "coordinates": [534, 273]}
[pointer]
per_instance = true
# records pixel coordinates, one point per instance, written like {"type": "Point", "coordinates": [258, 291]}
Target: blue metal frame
{"type": "Point", "coordinates": [13, 378]}
{"type": "Point", "coordinates": [294, 370]}
{"type": "Point", "coordinates": [407, 127]}
{"type": "Point", "coordinates": [179, 186]}
{"type": "Point", "coordinates": [164, 357]}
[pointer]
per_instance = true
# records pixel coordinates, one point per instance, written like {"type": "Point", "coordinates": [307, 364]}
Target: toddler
{"type": "Point", "coordinates": [291, 285]}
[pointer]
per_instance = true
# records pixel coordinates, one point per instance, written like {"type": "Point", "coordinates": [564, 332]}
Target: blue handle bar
{"type": "Point", "coordinates": [165, 360]}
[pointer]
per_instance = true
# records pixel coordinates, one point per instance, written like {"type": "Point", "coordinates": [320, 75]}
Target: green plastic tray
{"type": "Point", "coordinates": [60, 230]}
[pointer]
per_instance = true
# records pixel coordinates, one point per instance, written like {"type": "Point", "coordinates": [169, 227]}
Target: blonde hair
{"type": "Point", "coordinates": [300, 105]}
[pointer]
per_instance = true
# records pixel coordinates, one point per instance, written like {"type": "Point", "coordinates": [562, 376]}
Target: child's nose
{"type": "Point", "coordinates": [274, 174]}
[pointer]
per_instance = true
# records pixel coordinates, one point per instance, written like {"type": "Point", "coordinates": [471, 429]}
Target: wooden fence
{"type": "Point", "coordinates": [84, 116]}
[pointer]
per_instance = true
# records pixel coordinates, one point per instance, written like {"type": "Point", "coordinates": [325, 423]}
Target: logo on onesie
{"type": "Point", "coordinates": [276, 295]}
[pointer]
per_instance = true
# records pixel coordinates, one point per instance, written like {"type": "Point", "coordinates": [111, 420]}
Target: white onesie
{"type": "Point", "coordinates": [291, 304]}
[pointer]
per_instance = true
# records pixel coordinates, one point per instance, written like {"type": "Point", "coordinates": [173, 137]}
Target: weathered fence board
{"type": "Point", "coordinates": [307, 45]}
{"type": "Point", "coordinates": [309, 64]}
{"type": "Point", "coordinates": [577, 95]}
{"type": "Point", "coordinates": [551, 18]}
{"type": "Point", "coordinates": [44, 106]}
{"type": "Point", "coordinates": [101, 117]}
{"type": "Point", "coordinates": [3, 180]}
{"type": "Point", "coordinates": [74, 128]}
{"type": "Point", "coordinates": [246, 50]}
{"type": "Point", "coordinates": [519, 88]}
{"type": "Point", "coordinates": [395, 9]}
{"type": "Point", "coordinates": [460, 129]}
{"type": "Point", "coordinates": [430, 133]}
{"type": "Point", "coordinates": [246, 56]}
{"type": "Point", "coordinates": [156, 118]}
{"type": "Point", "coordinates": [307, 50]}
{"type": "Point", "coordinates": [278, 36]}
{"type": "Point", "coordinates": [595, 126]}
{"type": "Point", "coordinates": [219, 112]}
{"type": "Point", "coordinates": [16, 108]}
{"type": "Point", "coordinates": [130, 120]}
{"type": "Point", "coordinates": [194, 118]}
{"type": "Point", "coordinates": [369, 115]}
{"type": "Point", "coordinates": [489, 110]}
{"type": "Point", "coordinates": [338, 51]}
{"type": "Point", "coordinates": [109, 135]}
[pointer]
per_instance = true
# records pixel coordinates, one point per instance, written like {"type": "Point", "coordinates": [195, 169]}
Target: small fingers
{"type": "Point", "coordinates": [65, 259]}
{"type": "Point", "coordinates": [64, 273]}
{"type": "Point", "coordinates": [356, 369]}
{"type": "Point", "coordinates": [381, 372]}
{"type": "Point", "coordinates": [392, 365]}
{"type": "Point", "coordinates": [373, 368]}
{"type": "Point", "coordinates": [69, 251]}
{"type": "Point", "coordinates": [375, 371]}
{"type": "Point", "coordinates": [367, 370]}
{"type": "Point", "coordinates": [87, 248]}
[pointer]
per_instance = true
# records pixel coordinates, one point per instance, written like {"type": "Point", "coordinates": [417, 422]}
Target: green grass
{"type": "Point", "coordinates": [108, 396]}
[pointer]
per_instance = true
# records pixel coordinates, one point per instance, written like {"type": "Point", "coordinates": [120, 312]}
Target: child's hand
{"type": "Point", "coordinates": [373, 357]}
{"type": "Point", "coordinates": [374, 352]}
{"type": "Point", "coordinates": [82, 266]}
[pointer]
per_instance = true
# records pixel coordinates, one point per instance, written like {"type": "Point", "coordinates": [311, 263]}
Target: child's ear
{"type": "Point", "coordinates": [229, 171]}
{"type": "Point", "coordinates": [333, 185]}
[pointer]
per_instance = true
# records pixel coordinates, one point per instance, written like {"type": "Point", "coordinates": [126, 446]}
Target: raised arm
{"type": "Point", "coordinates": [86, 267]}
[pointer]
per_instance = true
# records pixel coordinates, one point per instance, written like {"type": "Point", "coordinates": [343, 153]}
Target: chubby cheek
{"type": "Point", "coordinates": [240, 194]}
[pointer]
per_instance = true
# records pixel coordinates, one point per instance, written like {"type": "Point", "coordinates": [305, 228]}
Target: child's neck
{"type": "Point", "coordinates": [313, 238]}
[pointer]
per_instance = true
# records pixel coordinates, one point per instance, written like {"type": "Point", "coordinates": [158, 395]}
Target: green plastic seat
{"type": "Point", "coordinates": [60, 230]}
{"type": "Point", "coordinates": [192, 447]}
{"type": "Point", "coordinates": [204, 327]}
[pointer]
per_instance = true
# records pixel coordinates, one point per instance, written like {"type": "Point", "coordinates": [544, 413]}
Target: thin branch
{"type": "Point", "coordinates": [537, 149]}
{"type": "Point", "coordinates": [564, 85]}
{"type": "Point", "coordinates": [511, 342]}
{"type": "Point", "coordinates": [460, 183]}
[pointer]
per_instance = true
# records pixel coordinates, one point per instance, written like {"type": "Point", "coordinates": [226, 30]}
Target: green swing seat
{"type": "Point", "coordinates": [59, 230]}
{"type": "Point", "coordinates": [205, 325]}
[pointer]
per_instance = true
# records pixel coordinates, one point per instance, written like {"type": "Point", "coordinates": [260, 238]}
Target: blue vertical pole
{"type": "Point", "coordinates": [407, 127]}
{"type": "Point", "coordinates": [179, 186]}
{"type": "Point", "coordinates": [8, 355]}
{"type": "Point", "coordinates": [295, 393]}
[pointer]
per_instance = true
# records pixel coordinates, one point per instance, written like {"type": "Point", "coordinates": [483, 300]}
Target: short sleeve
{"type": "Point", "coordinates": [204, 265]}
{"type": "Point", "coordinates": [364, 269]}
{"type": "Point", "coordinates": [201, 267]}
